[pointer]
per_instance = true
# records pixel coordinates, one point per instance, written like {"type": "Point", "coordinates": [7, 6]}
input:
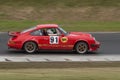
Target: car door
{"type": "Point", "coordinates": [60, 40]}
{"type": "Point", "coordinates": [48, 40]}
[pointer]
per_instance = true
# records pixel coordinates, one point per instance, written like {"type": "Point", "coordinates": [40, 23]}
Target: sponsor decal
{"type": "Point", "coordinates": [64, 39]}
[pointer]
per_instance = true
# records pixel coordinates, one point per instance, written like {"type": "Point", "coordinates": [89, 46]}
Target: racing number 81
{"type": "Point", "coordinates": [54, 39]}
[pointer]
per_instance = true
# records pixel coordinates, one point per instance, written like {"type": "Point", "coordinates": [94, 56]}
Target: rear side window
{"type": "Point", "coordinates": [37, 33]}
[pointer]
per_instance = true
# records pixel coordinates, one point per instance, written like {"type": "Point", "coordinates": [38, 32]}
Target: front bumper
{"type": "Point", "coordinates": [95, 46]}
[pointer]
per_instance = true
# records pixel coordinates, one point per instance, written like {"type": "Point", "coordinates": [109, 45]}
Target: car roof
{"type": "Point", "coordinates": [47, 26]}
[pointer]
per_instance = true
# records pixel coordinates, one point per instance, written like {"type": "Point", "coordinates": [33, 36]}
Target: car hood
{"type": "Point", "coordinates": [81, 34]}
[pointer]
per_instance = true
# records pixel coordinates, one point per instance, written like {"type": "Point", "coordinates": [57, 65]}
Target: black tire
{"type": "Point", "coordinates": [81, 47]}
{"type": "Point", "coordinates": [30, 47]}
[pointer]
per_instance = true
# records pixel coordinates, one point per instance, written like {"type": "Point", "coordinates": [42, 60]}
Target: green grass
{"type": "Point", "coordinates": [90, 26]}
{"type": "Point", "coordinates": [60, 71]}
{"type": "Point", "coordinates": [61, 74]}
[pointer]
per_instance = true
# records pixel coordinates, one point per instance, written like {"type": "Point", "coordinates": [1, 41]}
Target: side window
{"type": "Point", "coordinates": [58, 32]}
{"type": "Point", "coordinates": [44, 32]}
{"type": "Point", "coordinates": [36, 33]}
{"type": "Point", "coordinates": [50, 32]}
{"type": "Point", "coordinates": [53, 32]}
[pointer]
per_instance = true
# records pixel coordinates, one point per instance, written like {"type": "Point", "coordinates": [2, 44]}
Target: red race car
{"type": "Point", "coordinates": [52, 37]}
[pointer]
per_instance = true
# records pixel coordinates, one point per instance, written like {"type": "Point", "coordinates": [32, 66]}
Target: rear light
{"type": "Point", "coordinates": [11, 42]}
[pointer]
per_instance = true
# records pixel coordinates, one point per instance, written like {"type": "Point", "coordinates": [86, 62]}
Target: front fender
{"type": "Point", "coordinates": [81, 40]}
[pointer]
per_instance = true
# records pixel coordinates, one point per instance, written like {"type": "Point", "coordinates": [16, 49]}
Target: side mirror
{"type": "Point", "coordinates": [62, 35]}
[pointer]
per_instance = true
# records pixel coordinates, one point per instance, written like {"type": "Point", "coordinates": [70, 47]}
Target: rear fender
{"type": "Point", "coordinates": [32, 40]}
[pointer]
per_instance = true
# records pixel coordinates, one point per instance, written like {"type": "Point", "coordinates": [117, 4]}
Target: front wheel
{"type": "Point", "coordinates": [30, 47]}
{"type": "Point", "coordinates": [81, 47]}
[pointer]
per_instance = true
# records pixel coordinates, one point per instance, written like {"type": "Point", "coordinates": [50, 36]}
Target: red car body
{"type": "Point", "coordinates": [56, 39]}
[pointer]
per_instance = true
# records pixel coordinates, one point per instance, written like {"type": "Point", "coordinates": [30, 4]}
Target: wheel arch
{"type": "Point", "coordinates": [29, 41]}
{"type": "Point", "coordinates": [81, 41]}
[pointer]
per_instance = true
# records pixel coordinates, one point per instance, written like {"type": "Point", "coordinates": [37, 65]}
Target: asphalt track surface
{"type": "Point", "coordinates": [110, 45]}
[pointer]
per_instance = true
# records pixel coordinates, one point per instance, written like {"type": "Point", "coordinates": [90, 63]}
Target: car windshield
{"type": "Point", "coordinates": [29, 29]}
{"type": "Point", "coordinates": [63, 31]}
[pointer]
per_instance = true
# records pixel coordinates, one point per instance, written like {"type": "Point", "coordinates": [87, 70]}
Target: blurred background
{"type": "Point", "coordinates": [77, 15]}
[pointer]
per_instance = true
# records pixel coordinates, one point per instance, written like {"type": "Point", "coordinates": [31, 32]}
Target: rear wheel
{"type": "Point", "coordinates": [30, 47]}
{"type": "Point", "coordinates": [81, 47]}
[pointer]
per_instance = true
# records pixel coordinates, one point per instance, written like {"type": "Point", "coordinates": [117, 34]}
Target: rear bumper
{"type": "Point", "coordinates": [12, 44]}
